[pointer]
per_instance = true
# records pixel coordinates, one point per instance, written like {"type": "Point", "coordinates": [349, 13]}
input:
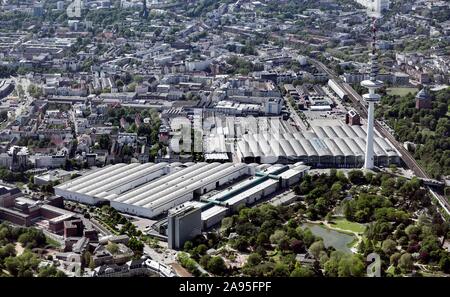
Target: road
{"type": "Point", "coordinates": [294, 115]}
{"type": "Point", "coordinates": [359, 105]}
{"type": "Point", "coordinates": [24, 101]}
{"type": "Point", "coordinates": [98, 226]}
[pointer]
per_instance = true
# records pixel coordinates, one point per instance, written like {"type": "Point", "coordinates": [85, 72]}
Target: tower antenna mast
{"type": "Point", "coordinates": [372, 84]}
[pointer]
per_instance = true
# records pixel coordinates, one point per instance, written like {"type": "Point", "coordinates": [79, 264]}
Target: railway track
{"type": "Point", "coordinates": [407, 158]}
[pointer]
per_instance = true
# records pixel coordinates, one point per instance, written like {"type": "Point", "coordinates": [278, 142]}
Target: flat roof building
{"type": "Point", "coordinates": [323, 146]}
{"type": "Point", "coordinates": [149, 189]}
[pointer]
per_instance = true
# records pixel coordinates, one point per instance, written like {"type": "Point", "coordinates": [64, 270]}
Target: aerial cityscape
{"type": "Point", "coordinates": [224, 138]}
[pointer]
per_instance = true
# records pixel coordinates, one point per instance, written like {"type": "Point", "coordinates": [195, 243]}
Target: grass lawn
{"type": "Point", "coordinates": [401, 91]}
{"type": "Point", "coordinates": [347, 225]}
{"type": "Point", "coordinates": [353, 243]}
{"type": "Point", "coordinates": [52, 242]}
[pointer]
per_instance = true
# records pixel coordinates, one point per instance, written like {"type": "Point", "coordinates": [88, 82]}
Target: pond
{"type": "Point", "coordinates": [333, 238]}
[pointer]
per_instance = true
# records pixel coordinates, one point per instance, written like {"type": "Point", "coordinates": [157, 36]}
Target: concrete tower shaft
{"type": "Point", "coordinates": [372, 84]}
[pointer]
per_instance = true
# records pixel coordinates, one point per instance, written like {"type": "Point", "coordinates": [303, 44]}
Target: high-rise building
{"type": "Point", "coordinates": [377, 6]}
{"type": "Point", "coordinates": [371, 98]}
{"type": "Point", "coordinates": [60, 5]}
{"type": "Point", "coordinates": [184, 223]}
{"type": "Point", "coordinates": [144, 9]}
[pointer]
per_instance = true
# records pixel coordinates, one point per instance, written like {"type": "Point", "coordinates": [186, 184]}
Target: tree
{"type": "Point", "coordinates": [406, 262]}
{"type": "Point", "coordinates": [430, 245]}
{"type": "Point", "coordinates": [8, 250]}
{"type": "Point", "coordinates": [104, 142]}
{"type": "Point", "coordinates": [389, 246]}
{"type": "Point", "coordinates": [351, 265]}
{"type": "Point", "coordinates": [394, 259]}
{"type": "Point", "coordinates": [216, 265]}
{"type": "Point", "coordinates": [136, 245]}
{"type": "Point", "coordinates": [241, 244]}
{"type": "Point", "coordinates": [50, 271]}
{"type": "Point", "coordinates": [187, 263]}
{"type": "Point", "coordinates": [412, 231]}
{"type": "Point", "coordinates": [204, 260]}
{"type": "Point", "coordinates": [344, 265]}
{"type": "Point", "coordinates": [444, 263]}
{"type": "Point", "coordinates": [277, 237]}
{"type": "Point", "coordinates": [131, 87]}
{"type": "Point", "coordinates": [262, 239]}
{"type": "Point", "coordinates": [12, 265]}
{"type": "Point", "coordinates": [297, 246]}
{"type": "Point", "coordinates": [356, 177]}
{"type": "Point", "coordinates": [22, 266]}
{"type": "Point", "coordinates": [187, 245]}
{"type": "Point", "coordinates": [112, 247]}
{"type": "Point", "coordinates": [316, 248]}
{"type": "Point", "coordinates": [199, 251]}
{"type": "Point", "coordinates": [35, 91]}
{"type": "Point", "coordinates": [332, 264]}
{"type": "Point", "coordinates": [32, 238]}
{"type": "Point", "coordinates": [301, 271]}
{"type": "Point", "coordinates": [254, 259]}
{"type": "Point", "coordinates": [280, 270]}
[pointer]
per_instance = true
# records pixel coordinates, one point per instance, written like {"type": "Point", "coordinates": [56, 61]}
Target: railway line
{"type": "Point", "coordinates": [409, 161]}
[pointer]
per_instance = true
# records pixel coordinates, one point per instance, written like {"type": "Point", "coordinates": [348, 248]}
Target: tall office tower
{"type": "Point", "coordinates": [144, 9]}
{"type": "Point", "coordinates": [371, 98]}
{"type": "Point", "coordinates": [375, 6]}
{"type": "Point", "coordinates": [184, 223]}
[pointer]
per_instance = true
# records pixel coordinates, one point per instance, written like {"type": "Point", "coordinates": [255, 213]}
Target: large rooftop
{"type": "Point", "coordinates": [332, 142]}
{"type": "Point", "coordinates": [150, 186]}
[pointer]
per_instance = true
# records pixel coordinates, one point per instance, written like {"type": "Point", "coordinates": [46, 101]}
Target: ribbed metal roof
{"type": "Point", "coordinates": [309, 148]}
{"type": "Point", "coordinates": [320, 147]}
{"type": "Point", "coordinates": [344, 147]}
{"type": "Point", "coordinates": [320, 132]}
{"type": "Point", "coordinates": [333, 147]}
{"type": "Point", "coordinates": [298, 148]}
{"type": "Point", "coordinates": [330, 132]}
{"type": "Point", "coordinates": [287, 148]}
{"type": "Point", "coordinates": [349, 131]}
{"type": "Point", "coordinates": [339, 132]}
{"type": "Point", "coordinates": [162, 183]}
{"type": "Point", "coordinates": [359, 131]}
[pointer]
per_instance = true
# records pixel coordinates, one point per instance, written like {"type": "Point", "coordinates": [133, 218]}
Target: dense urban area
{"type": "Point", "coordinates": [176, 138]}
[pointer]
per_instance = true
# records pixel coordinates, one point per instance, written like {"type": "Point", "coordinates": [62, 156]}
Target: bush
{"type": "Point", "coordinates": [254, 259]}
{"type": "Point", "coordinates": [405, 262]}
{"type": "Point", "coordinates": [188, 263]}
{"type": "Point", "coordinates": [216, 265]}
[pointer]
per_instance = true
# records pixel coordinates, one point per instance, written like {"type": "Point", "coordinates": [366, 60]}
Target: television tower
{"type": "Point", "coordinates": [372, 84]}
